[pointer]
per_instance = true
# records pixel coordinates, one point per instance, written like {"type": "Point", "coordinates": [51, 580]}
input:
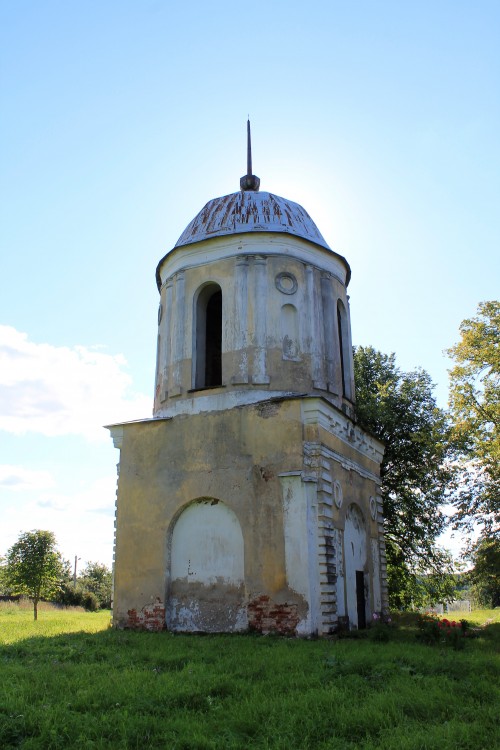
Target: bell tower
{"type": "Point", "coordinates": [253, 302]}
{"type": "Point", "coordinates": [251, 499]}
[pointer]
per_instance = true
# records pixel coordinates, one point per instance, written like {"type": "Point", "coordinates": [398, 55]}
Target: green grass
{"type": "Point", "coordinates": [69, 681]}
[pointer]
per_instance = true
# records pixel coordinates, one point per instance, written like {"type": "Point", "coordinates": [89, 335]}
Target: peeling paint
{"type": "Point", "coordinates": [250, 211]}
{"type": "Point", "coordinates": [217, 608]}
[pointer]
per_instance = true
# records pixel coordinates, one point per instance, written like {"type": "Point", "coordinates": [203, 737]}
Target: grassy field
{"type": "Point", "coordinates": [69, 681]}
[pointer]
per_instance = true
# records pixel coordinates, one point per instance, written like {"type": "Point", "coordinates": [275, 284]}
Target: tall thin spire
{"type": "Point", "coordinates": [249, 150]}
{"type": "Point", "coordinates": [249, 181]}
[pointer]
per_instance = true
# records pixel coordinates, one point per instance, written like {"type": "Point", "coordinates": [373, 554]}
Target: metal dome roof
{"type": "Point", "coordinates": [250, 211]}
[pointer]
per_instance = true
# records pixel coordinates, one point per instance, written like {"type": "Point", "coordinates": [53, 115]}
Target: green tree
{"type": "Point", "coordinates": [399, 408]}
{"type": "Point", "coordinates": [34, 566]}
{"type": "Point", "coordinates": [98, 579]}
{"type": "Point", "coordinates": [485, 576]}
{"type": "Point", "coordinates": [4, 591]}
{"type": "Point", "coordinates": [475, 406]}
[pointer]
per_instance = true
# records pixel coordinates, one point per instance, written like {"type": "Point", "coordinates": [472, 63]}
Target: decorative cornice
{"type": "Point", "coordinates": [317, 411]}
{"type": "Point", "coordinates": [225, 248]}
{"type": "Point", "coordinates": [348, 464]}
{"type": "Point", "coordinates": [117, 435]}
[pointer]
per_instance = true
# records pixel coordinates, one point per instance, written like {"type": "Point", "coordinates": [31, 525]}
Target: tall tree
{"type": "Point", "coordinates": [34, 566]}
{"type": "Point", "coordinates": [399, 408]}
{"type": "Point", "coordinates": [485, 574]}
{"type": "Point", "coordinates": [475, 405]}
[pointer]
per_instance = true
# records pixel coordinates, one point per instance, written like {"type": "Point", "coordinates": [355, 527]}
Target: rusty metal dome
{"type": "Point", "coordinates": [250, 211]}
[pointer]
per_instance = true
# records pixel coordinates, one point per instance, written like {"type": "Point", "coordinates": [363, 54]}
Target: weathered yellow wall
{"type": "Point", "coordinates": [234, 456]}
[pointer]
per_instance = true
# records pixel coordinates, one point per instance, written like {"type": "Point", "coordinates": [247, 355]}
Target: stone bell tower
{"type": "Point", "coordinates": [251, 499]}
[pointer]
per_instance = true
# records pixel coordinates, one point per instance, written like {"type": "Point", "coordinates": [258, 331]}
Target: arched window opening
{"type": "Point", "coordinates": [208, 352]}
{"type": "Point", "coordinates": [341, 348]}
{"type": "Point", "coordinates": [213, 364]}
{"type": "Point", "coordinates": [344, 350]}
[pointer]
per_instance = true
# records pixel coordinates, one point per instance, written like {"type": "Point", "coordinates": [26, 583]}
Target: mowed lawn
{"type": "Point", "coordinates": [69, 681]}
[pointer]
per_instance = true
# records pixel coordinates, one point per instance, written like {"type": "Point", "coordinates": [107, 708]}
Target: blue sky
{"type": "Point", "coordinates": [120, 120]}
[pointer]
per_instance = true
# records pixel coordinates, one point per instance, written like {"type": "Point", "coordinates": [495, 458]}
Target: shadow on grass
{"type": "Point", "coordinates": [127, 689]}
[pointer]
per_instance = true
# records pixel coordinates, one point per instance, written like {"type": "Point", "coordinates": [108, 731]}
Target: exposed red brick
{"type": "Point", "coordinates": [151, 617]}
{"type": "Point", "coordinates": [265, 616]}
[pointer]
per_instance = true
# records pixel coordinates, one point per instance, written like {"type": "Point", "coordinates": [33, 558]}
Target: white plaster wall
{"type": "Point", "coordinates": [300, 529]}
{"type": "Point", "coordinates": [207, 545]}
{"type": "Point", "coordinates": [206, 590]}
{"type": "Point", "coordinates": [314, 615]}
{"type": "Point", "coordinates": [341, 589]}
{"type": "Point", "coordinates": [354, 557]}
{"type": "Point", "coordinates": [296, 546]}
{"type": "Point", "coordinates": [377, 593]}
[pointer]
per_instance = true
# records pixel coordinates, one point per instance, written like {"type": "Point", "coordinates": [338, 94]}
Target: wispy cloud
{"type": "Point", "coordinates": [19, 478]}
{"type": "Point", "coordinates": [58, 390]}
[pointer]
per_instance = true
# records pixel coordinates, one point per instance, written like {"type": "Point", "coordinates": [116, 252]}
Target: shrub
{"type": "Point", "coordinates": [76, 596]}
{"type": "Point", "coordinates": [380, 627]}
{"type": "Point", "coordinates": [433, 631]}
{"type": "Point", "coordinates": [90, 601]}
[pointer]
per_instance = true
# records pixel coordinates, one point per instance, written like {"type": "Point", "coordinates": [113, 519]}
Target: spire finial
{"type": "Point", "coordinates": [249, 181]}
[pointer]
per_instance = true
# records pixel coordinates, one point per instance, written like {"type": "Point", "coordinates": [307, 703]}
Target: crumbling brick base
{"type": "Point", "coordinates": [264, 616]}
{"type": "Point", "coordinates": [150, 617]}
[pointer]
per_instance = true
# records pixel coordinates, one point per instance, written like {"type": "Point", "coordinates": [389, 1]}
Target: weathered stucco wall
{"type": "Point", "coordinates": [236, 519]}
{"type": "Point", "coordinates": [235, 458]}
{"type": "Point", "coordinates": [279, 318]}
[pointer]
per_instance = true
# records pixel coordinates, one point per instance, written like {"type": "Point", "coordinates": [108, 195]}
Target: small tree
{"type": "Point", "coordinates": [34, 566]}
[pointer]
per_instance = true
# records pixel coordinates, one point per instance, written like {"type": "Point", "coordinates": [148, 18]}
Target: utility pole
{"type": "Point", "coordinates": [74, 571]}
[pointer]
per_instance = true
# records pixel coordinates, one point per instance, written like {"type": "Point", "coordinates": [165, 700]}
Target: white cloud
{"type": "Point", "coordinates": [58, 390]}
{"type": "Point", "coordinates": [98, 497]}
{"type": "Point", "coordinates": [19, 478]}
{"type": "Point", "coordinates": [81, 519]}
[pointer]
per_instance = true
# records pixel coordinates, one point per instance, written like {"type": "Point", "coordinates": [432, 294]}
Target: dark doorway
{"type": "Point", "coordinates": [360, 599]}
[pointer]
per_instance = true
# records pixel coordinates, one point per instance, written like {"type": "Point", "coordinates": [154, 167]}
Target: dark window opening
{"type": "Point", "coordinates": [213, 341]}
{"type": "Point", "coordinates": [341, 348]}
{"type": "Point", "coordinates": [207, 349]}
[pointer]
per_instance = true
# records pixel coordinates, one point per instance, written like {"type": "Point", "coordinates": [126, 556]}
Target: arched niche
{"type": "Point", "coordinates": [355, 557]}
{"type": "Point", "coordinates": [206, 576]}
{"type": "Point", "coordinates": [290, 332]}
{"type": "Point", "coordinates": [207, 338]}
